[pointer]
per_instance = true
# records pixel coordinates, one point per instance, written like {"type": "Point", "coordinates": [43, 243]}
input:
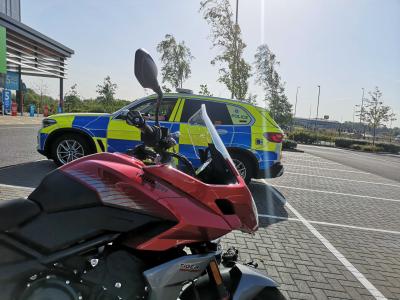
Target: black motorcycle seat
{"type": "Point", "coordinates": [16, 211]}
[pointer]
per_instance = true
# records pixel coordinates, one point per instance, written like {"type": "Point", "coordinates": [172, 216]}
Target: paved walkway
{"type": "Point", "coordinates": [20, 120]}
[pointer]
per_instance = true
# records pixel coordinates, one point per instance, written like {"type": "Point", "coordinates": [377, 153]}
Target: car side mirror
{"type": "Point", "coordinates": [146, 71]}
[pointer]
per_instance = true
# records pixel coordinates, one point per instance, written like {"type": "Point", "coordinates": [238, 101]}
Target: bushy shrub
{"type": "Point", "coordinates": [289, 144]}
{"type": "Point", "coordinates": [303, 137]}
{"type": "Point", "coordinates": [371, 148]}
{"type": "Point", "coordinates": [387, 147]}
{"type": "Point", "coordinates": [347, 143]}
{"type": "Point", "coordinates": [311, 137]}
{"type": "Point", "coordinates": [358, 145]}
{"type": "Point", "coordinates": [355, 146]}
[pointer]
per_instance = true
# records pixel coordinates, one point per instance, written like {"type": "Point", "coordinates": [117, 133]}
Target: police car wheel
{"type": "Point", "coordinates": [244, 166]}
{"type": "Point", "coordinates": [69, 147]}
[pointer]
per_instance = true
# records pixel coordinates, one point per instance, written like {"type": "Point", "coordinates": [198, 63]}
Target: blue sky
{"type": "Point", "coordinates": [342, 45]}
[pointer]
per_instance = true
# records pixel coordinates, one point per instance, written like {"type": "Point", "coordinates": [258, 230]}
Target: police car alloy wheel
{"type": "Point", "coordinates": [240, 167]}
{"type": "Point", "coordinates": [69, 150]}
{"type": "Point", "coordinates": [69, 147]}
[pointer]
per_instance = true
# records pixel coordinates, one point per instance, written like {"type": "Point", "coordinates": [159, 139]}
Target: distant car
{"type": "Point", "coordinates": [252, 137]}
{"type": "Point", "coordinates": [397, 138]}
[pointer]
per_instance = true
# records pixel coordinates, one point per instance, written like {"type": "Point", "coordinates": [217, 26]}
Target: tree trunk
{"type": "Point", "coordinates": [373, 137]}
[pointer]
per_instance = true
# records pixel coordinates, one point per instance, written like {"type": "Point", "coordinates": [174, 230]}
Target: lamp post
{"type": "Point", "coordinates": [237, 11]}
{"type": "Point", "coordinates": [235, 57]}
{"type": "Point", "coordinates": [316, 118]}
{"type": "Point", "coordinates": [295, 104]}
{"type": "Point", "coordinates": [362, 112]}
{"type": "Point", "coordinates": [362, 105]}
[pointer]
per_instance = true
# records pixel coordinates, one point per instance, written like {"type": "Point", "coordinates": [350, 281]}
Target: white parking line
{"type": "Point", "coordinates": [321, 161]}
{"type": "Point", "coordinates": [313, 163]}
{"type": "Point", "coordinates": [331, 224]}
{"type": "Point", "coordinates": [364, 156]}
{"type": "Point", "coordinates": [277, 217]}
{"type": "Point", "coordinates": [339, 170]}
{"type": "Point", "coordinates": [349, 266]}
{"type": "Point", "coordinates": [16, 187]}
{"type": "Point", "coordinates": [344, 179]}
{"type": "Point", "coordinates": [334, 193]}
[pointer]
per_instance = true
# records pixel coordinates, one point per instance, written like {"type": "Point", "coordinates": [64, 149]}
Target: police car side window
{"type": "Point", "coordinates": [148, 108]}
{"type": "Point", "coordinates": [217, 111]}
{"type": "Point", "coordinates": [238, 115]}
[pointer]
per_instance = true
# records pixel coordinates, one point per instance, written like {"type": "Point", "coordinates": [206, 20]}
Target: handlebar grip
{"type": "Point", "coordinates": [148, 130]}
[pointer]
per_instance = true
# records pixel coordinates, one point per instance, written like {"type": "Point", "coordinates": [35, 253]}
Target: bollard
{"type": "Point", "coordinates": [46, 111]}
{"type": "Point", "coordinates": [32, 110]}
{"type": "Point", "coordinates": [14, 109]}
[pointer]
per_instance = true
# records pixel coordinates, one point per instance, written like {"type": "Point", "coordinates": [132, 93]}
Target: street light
{"type": "Point", "coordinates": [362, 112]}
{"type": "Point", "coordinates": [236, 56]}
{"type": "Point", "coordinates": [316, 118]}
{"type": "Point", "coordinates": [362, 105]}
{"type": "Point", "coordinates": [237, 11]}
{"type": "Point", "coordinates": [295, 105]}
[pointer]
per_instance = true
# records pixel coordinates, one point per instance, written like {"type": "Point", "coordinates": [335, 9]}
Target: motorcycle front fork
{"type": "Point", "coordinates": [216, 278]}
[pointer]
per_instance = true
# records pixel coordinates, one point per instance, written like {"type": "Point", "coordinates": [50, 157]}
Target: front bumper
{"type": "Point", "coordinates": [275, 170]}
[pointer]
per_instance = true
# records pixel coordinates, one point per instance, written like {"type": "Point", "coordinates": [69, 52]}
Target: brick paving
{"type": "Point", "coordinates": [303, 267]}
{"type": "Point", "coordinates": [345, 210]}
{"type": "Point", "coordinates": [288, 251]}
{"type": "Point", "coordinates": [376, 255]}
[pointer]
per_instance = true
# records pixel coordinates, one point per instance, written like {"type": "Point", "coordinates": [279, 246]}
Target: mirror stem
{"type": "Point", "coordinates": [159, 99]}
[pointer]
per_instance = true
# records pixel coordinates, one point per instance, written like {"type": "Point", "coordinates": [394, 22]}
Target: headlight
{"type": "Point", "coordinates": [48, 122]}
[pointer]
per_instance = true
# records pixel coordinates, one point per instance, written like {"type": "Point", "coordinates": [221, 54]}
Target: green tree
{"type": "Point", "coordinates": [269, 79]}
{"type": "Point", "coordinates": [204, 90]}
{"type": "Point", "coordinates": [72, 101]}
{"type": "Point", "coordinates": [226, 35]}
{"type": "Point", "coordinates": [251, 99]}
{"type": "Point", "coordinates": [166, 89]}
{"type": "Point", "coordinates": [375, 113]}
{"type": "Point", "coordinates": [106, 91]}
{"type": "Point", "coordinates": [175, 58]}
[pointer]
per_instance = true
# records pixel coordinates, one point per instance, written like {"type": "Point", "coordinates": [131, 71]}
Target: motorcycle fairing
{"type": "Point", "coordinates": [166, 280]}
{"type": "Point", "coordinates": [237, 195]}
{"type": "Point", "coordinates": [124, 182]}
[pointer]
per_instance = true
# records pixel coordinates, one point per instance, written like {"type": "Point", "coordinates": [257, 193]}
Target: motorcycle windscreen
{"type": "Point", "coordinates": [202, 135]}
{"type": "Point", "coordinates": [201, 118]}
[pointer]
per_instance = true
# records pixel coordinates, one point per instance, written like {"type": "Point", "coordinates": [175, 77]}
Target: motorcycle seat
{"type": "Point", "coordinates": [16, 211]}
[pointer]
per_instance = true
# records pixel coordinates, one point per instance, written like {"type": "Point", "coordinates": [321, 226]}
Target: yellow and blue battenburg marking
{"type": "Point", "coordinates": [116, 135]}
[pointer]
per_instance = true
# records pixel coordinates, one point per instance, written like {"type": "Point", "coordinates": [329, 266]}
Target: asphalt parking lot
{"type": "Point", "coordinates": [327, 230]}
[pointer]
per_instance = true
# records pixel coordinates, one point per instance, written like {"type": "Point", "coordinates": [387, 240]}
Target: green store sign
{"type": "Point", "coordinates": [3, 51]}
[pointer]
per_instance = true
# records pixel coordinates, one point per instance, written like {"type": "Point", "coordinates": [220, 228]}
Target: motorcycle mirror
{"type": "Point", "coordinates": [135, 118]}
{"type": "Point", "coordinates": [146, 74]}
{"type": "Point", "coordinates": [123, 114]}
{"type": "Point", "coordinates": [146, 71]}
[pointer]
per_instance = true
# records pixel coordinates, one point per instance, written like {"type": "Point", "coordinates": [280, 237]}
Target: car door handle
{"type": "Point", "coordinates": [222, 131]}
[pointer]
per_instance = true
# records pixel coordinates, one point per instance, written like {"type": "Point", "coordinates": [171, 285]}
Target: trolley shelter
{"type": "Point", "coordinates": [25, 51]}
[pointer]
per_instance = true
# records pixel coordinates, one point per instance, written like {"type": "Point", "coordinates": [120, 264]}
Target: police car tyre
{"type": "Point", "coordinates": [244, 165]}
{"type": "Point", "coordinates": [69, 147]}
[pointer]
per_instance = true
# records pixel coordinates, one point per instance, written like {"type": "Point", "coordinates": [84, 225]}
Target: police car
{"type": "Point", "coordinates": [252, 137]}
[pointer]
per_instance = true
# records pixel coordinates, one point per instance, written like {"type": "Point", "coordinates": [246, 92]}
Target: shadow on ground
{"type": "Point", "coordinates": [269, 201]}
{"type": "Point", "coordinates": [27, 174]}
